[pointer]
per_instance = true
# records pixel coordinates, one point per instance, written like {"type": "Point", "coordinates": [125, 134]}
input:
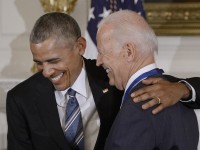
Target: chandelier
{"type": "Point", "coordinates": [66, 6]}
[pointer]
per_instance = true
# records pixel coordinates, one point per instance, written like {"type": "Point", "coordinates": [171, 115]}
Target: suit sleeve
{"type": "Point", "coordinates": [18, 132]}
{"type": "Point", "coordinates": [195, 83]}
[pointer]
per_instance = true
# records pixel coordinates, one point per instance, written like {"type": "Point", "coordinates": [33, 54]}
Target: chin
{"type": "Point", "coordinates": [120, 88]}
{"type": "Point", "coordinates": [111, 83]}
{"type": "Point", "coordinates": [117, 87]}
{"type": "Point", "coordinates": [60, 88]}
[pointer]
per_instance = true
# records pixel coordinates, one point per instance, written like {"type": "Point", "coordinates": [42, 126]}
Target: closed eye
{"type": "Point", "coordinates": [53, 61]}
{"type": "Point", "coordinates": [50, 61]}
{"type": "Point", "coordinates": [38, 62]}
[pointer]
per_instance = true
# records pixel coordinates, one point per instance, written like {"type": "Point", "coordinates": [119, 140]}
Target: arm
{"type": "Point", "coordinates": [194, 82]}
{"type": "Point", "coordinates": [168, 92]}
{"type": "Point", "coordinates": [18, 134]}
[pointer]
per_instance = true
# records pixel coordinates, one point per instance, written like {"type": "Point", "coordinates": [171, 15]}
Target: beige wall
{"type": "Point", "coordinates": [177, 55]}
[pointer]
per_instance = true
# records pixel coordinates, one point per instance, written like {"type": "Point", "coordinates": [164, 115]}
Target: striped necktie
{"type": "Point", "coordinates": [73, 122]}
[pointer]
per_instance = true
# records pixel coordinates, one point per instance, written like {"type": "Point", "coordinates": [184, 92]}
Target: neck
{"type": "Point", "coordinates": [78, 71]}
{"type": "Point", "coordinates": [134, 67]}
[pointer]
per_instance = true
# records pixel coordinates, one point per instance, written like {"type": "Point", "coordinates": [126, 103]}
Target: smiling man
{"type": "Point", "coordinates": [126, 46]}
{"type": "Point", "coordinates": [68, 104]}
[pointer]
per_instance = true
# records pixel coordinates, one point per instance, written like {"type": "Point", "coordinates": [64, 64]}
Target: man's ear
{"type": "Point", "coordinates": [81, 45]}
{"type": "Point", "coordinates": [130, 51]}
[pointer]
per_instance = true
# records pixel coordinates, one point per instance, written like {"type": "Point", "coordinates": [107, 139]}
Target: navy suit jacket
{"type": "Point", "coordinates": [175, 128]}
{"type": "Point", "coordinates": [33, 119]}
{"type": "Point", "coordinates": [194, 82]}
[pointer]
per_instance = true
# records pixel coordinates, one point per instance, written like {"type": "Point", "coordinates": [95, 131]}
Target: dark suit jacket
{"type": "Point", "coordinates": [175, 128]}
{"type": "Point", "coordinates": [33, 119]}
{"type": "Point", "coordinates": [194, 82]}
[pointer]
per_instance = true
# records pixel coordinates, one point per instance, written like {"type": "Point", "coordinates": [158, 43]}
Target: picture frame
{"type": "Point", "coordinates": [173, 18]}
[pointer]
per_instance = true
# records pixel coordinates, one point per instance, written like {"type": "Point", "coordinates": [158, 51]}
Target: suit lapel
{"type": "Point", "coordinates": [106, 104]}
{"type": "Point", "coordinates": [48, 109]}
{"type": "Point", "coordinates": [98, 86]}
{"type": "Point", "coordinates": [98, 95]}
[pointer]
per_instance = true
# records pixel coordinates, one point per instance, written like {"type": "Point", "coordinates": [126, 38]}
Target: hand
{"type": "Point", "coordinates": [169, 93]}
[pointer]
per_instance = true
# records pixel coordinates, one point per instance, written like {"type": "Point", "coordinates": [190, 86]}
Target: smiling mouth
{"type": "Point", "coordinates": [57, 77]}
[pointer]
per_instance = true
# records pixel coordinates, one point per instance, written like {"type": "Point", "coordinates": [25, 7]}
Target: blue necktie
{"type": "Point", "coordinates": [73, 122]}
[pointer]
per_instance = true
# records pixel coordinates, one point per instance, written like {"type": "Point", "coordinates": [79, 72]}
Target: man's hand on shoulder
{"type": "Point", "coordinates": [160, 92]}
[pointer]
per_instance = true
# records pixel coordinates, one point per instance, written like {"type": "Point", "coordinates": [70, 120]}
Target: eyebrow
{"type": "Point", "coordinates": [48, 60]}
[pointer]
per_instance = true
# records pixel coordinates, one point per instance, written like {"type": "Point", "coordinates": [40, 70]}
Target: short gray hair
{"type": "Point", "coordinates": [125, 27]}
{"type": "Point", "coordinates": [55, 25]}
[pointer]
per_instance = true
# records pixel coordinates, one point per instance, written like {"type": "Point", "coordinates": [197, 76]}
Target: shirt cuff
{"type": "Point", "coordinates": [193, 93]}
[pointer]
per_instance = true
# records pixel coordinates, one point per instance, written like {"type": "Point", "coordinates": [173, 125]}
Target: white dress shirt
{"type": "Point", "coordinates": [90, 117]}
{"type": "Point", "coordinates": [153, 66]}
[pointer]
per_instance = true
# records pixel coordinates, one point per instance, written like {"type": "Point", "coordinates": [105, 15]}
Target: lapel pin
{"type": "Point", "coordinates": [105, 90]}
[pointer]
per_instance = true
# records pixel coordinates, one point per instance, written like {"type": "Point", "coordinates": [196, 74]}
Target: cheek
{"type": "Point", "coordinates": [60, 66]}
{"type": "Point", "coordinates": [118, 71]}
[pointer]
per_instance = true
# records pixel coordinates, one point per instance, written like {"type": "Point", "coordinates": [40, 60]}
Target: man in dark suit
{"type": "Point", "coordinates": [36, 107]}
{"type": "Point", "coordinates": [126, 47]}
{"type": "Point", "coordinates": [158, 87]}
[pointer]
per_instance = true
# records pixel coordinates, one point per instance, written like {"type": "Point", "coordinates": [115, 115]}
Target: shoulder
{"type": "Point", "coordinates": [93, 70]}
{"type": "Point", "coordinates": [30, 84]}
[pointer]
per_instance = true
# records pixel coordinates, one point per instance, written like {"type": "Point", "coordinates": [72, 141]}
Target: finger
{"type": "Point", "coordinates": [138, 92]}
{"type": "Point", "coordinates": [145, 90]}
{"type": "Point", "coordinates": [152, 81]}
{"type": "Point", "coordinates": [146, 93]}
{"type": "Point", "coordinates": [142, 97]}
{"type": "Point", "coordinates": [149, 104]}
{"type": "Point", "coordinates": [158, 109]}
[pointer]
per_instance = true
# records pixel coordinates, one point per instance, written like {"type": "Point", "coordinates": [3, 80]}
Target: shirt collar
{"type": "Point", "coordinates": [80, 84]}
{"type": "Point", "coordinates": [139, 72]}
